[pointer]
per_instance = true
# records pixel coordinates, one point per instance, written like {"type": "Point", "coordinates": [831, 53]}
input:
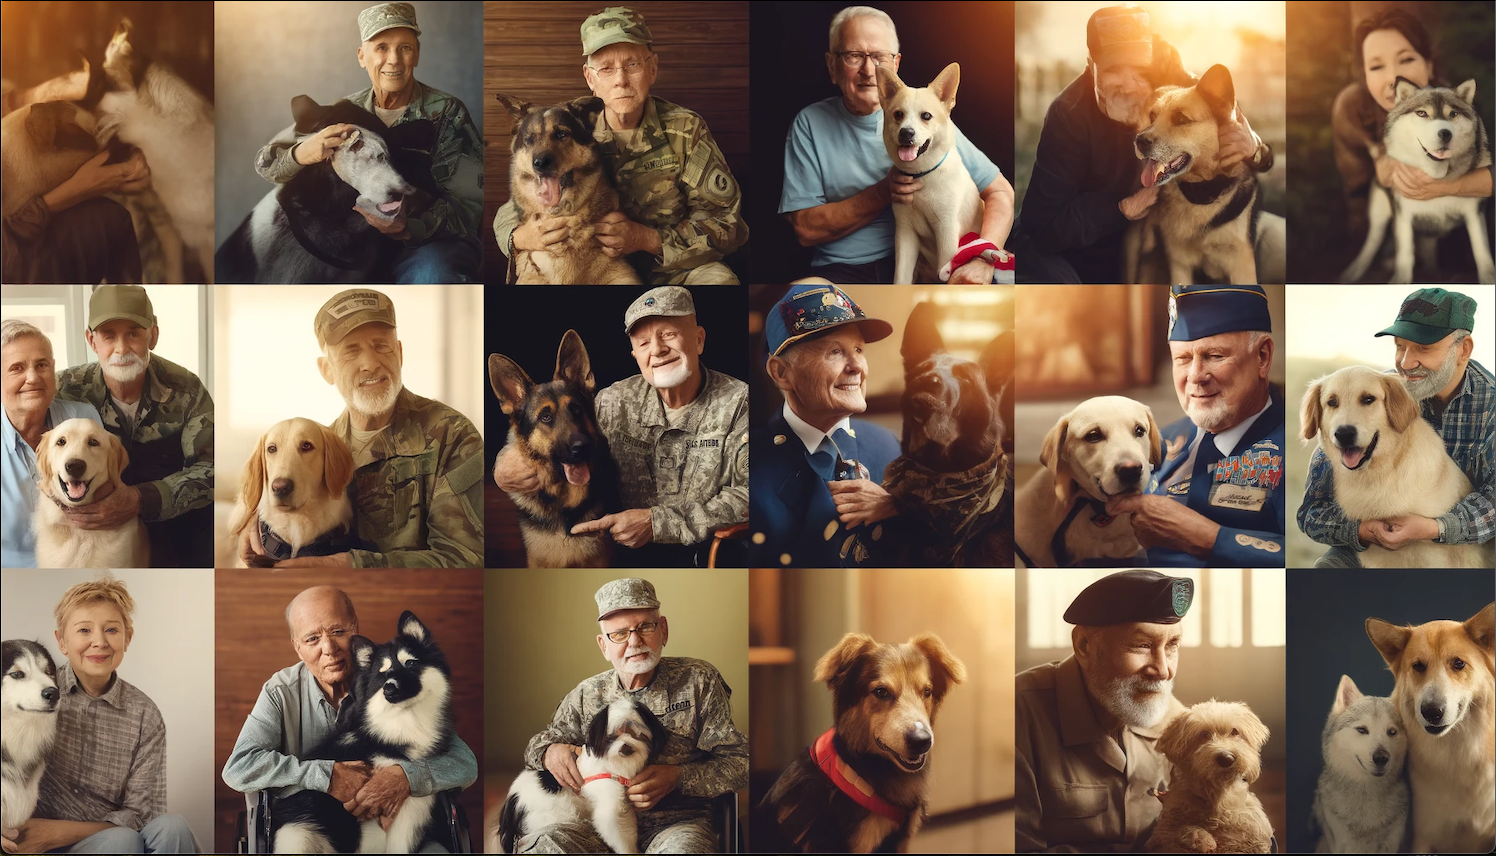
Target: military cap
{"type": "Point", "coordinates": [111, 302]}
{"type": "Point", "coordinates": [805, 310]}
{"type": "Point", "coordinates": [1120, 35]}
{"type": "Point", "coordinates": [1198, 311]}
{"type": "Point", "coordinates": [668, 300]}
{"type": "Point", "coordinates": [1129, 596]}
{"type": "Point", "coordinates": [386, 16]}
{"type": "Point", "coordinates": [1430, 314]}
{"type": "Point", "coordinates": [348, 310]}
{"type": "Point", "coordinates": [614, 25]}
{"type": "Point", "coordinates": [627, 593]}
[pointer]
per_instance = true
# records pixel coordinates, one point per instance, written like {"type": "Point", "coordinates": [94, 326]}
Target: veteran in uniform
{"type": "Point", "coordinates": [162, 414]}
{"type": "Point", "coordinates": [1218, 499]}
{"type": "Point", "coordinates": [816, 490]}
{"type": "Point", "coordinates": [679, 434]}
{"type": "Point", "coordinates": [704, 756]}
{"type": "Point", "coordinates": [442, 244]}
{"type": "Point", "coordinates": [681, 204]}
{"type": "Point", "coordinates": [1087, 771]}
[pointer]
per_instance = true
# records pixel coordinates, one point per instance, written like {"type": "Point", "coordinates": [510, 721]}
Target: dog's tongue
{"type": "Point", "coordinates": [391, 207]}
{"type": "Point", "coordinates": [1150, 172]}
{"type": "Point", "coordinates": [908, 153]}
{"type": "Point", "coordinates": [76, 489]}
{"type": "Point", "coordinates": [577, 473]}
{"type": "Point", "coordinates": [550, 191]}
{"type": "Point", "coordinates": [1352, 457]}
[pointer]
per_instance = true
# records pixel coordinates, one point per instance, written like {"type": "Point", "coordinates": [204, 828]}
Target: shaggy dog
{"type": "Point", "coordinates": [1216, 750]}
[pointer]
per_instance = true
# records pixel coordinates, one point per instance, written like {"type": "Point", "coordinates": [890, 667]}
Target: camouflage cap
{"type": "Point", "coordinates": [614, 25]}
{"type": "Point", "coordinates": [627, 593]}
{"type": "Point", "coordinates": [111, 302]}
{"type": "Point", "coordinates": [1429, 314]}
{"type": "Point", "coordinates": [668, 300]}
{"type": "Point", "coordinates": [1132, 596]}
{"type": "Point", "coordinates": [386, 16]}
{"type": "Point", "coordinates": [348, 310]}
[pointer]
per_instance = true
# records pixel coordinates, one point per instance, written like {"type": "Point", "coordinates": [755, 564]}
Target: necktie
{"type": "Point", "coordinates": [824, 462]}
{"type": "Point", "coordinates": [1206, 455]}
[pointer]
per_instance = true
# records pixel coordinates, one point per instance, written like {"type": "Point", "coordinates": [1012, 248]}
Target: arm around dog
{"type": "Point", "coordinates": [568, 726]}
{"type": "Point", "coordinates": [455, 768]}
{"type": "Point", "coordinates": [1473, 519]}
{"type": "Point", "coordinates": [1319, 516]}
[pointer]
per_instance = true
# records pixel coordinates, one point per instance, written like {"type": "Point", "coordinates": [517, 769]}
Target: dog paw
{"type": "Point", "coordinates": [258, 561]}
{"type": "Point", "coordinates": [1198, 841]}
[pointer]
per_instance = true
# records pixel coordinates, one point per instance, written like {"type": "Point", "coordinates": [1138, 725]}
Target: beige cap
{"type": "Point", "coordinates": [386, 16]}
{"type": "Point", "coordinates": [348, 310]}
{"type": "Point", "coordinates": [627, 593]}
{"type": "Point", "coordinates": [668, 300]}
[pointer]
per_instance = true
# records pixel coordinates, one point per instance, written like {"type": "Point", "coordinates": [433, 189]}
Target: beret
{"type": "Point", "coordinates": [1133, 596]}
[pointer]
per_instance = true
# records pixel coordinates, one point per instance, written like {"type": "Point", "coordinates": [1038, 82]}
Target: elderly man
{"type": "Point", "coordinates": [817, 481]}
{"type": "Point", "coordinates": [679, 434]}
{"type": "Point", "coordinates": [297, 708]}
{"type": "Point", "coordinates": [1088, 773]}
{"type": "Point", "coordinates": [681, 205]}
{"type": "Point", "coordinates": [1085, 188]}
{"type": "Point", "coordinates": [838, 181]}
{"type": "Point", "coordinates": [441, 245]}
{"type": "Point", "coordinates": [1217, 501]}
{"type": "Point", "coordinates": [162, 414]}
{"type": "Point", "coordinates": [1458, 397]}
{"type": "Point", "coordinates": [706, 755]}
{"type": "Point", "coordinates": [29, 403]}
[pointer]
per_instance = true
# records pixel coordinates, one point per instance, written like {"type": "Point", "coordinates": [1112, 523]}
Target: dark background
{"type": "Point", "coordinates": [1327, 612]}
{"type": "Point", "coordinates": [789, 73]}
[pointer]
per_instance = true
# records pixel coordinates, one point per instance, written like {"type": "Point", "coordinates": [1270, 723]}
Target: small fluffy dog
{"type": "Point", "coordinates": [295, 486]}
{"type": "Point", "coordinates": [1361, 804]}
{"type": "Point", "coordinates": [1446, 694]}
{"type": "Point", "coordinates": [621, 740]}
{"type": "Point", "coordinates": [1387, 462]}
{"type": "Point", "coordinates": [28, 698]}
{"type": "Point", "coordinates": [1216, 750]}
{"type": "Point", "coordinates": [77, 461]}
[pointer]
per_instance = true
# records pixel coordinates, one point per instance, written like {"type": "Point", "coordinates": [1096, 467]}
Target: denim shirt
{"type": "Point", "coordinates": [18, 477]}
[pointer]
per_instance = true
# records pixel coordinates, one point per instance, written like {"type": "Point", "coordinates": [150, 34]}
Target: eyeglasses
{"type": "Point", "coordinates": [648, 628]}
{"type": "Point", "coordinates": [855, 59]}
{"type": "Point", "coordinates": [633, 68]}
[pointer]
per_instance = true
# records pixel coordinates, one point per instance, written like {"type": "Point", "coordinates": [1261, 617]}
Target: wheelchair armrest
{"type": "Point", "coordinates": [725, 821]}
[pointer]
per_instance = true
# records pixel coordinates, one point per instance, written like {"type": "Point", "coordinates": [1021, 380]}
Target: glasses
{"type": "Point", "coordinates": [633, 68]}
{"type": "Point", "coordinates": [648, 628]}
{"type": "Point", "coordinates": [855, 59]}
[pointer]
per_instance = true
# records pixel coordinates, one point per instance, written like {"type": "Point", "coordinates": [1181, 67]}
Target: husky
{"type": "Point", "coordinates": [398, 710]}
{"type": "Point", "coordinates": [1361, 804]}
{"type": "Point", "coordinates": [28, 700]}
{"type": "Point", "coordinates": [1438, 131]}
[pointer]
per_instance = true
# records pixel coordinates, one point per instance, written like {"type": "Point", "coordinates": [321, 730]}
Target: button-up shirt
{"type": "Point", "coordinates": [18, 478]}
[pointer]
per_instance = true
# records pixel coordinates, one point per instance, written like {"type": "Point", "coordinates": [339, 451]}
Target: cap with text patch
{"type": "Point", "coordinates": [386, 16]}
{"type": "Point", "coordinates": [1429, 314]}
{"type": "Point", "coordinates": [1132, 596]}
{"type": "Point", "coordinates": [1198, 311]}
{"type": "Point", "coordinates": [1120, 35]}
{"type": "Point", "coordinates": [669, 300]}
{"type": "Point", "coordinates": [805, 310]}
{"type": "Point", "coordinates": [627, 593]}
{"type": "Point", "coordinates": [115, 302]}
{"type": "Point", "coordinates": [349, 310]}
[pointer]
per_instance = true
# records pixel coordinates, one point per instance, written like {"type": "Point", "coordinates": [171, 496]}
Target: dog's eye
{"type": "Point", "coordinates": [1421, 666]}
{"type": "Point", "coordinates": [1422, 114]}
{"type": "Point", "coordinates": [1392, 732]}
{"type": "Point", "coordinates": [1368, 399]}
{"type": "Point", "coordinates": [1138, 430]}
{"type": "Point", "coordinates": [925, 116]}
{"type": "Point", "coordinates": [1152, 116]}
{"type": "Point", "coordinates": [1235, 733]}
{"type": "Point", "coordinates": [1457, 664]}
{"type": "Point", "coordinates": [1182, 119]}
{"type": "Point", "coordinates": [575, 407]}
{"type": "Point", "coordinates": [1094, 436]}
{"type": "Point", "coordinates": [62, 441]}
{"type": "Point", "coordinates": [929, 691]}
{"type": "Point", "coordinates": [271, 449]}
{"type": "Point", "coordinates": [92, 442]}
{"type": "Point", "coordinates": [306, 445]}
{"type": "Point", "coordinates": [1455, 114]}
{"type": "Point", "coordinates": [547, 417]}
{"type": "Point", "coordinates": [882, 693]}
{"type": "Point", "coordinates": [17, 675]}
{"type": "Point", "coordinates": [898, 115]}
{"type": "Point", "coordinates": [1361, 729]}
{"type": "Point", "coordinates": [560, 135]}
{"type": "Point", "coordinates": [1332, 401]}
{"type": "Point", "coordinates": [411, 662]}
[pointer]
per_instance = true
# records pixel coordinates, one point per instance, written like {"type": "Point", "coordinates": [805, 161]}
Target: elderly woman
{"type": "Point", "coordinates": [28, 394]}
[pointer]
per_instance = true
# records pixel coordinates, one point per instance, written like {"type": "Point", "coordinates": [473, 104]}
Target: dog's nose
{"type": "Point", "coordinates": [1445, 135]}
{"type": "Point", "coordinates": [282, 487]}
{"type": "Point", "coordinates": [1345, 435]}
{"type": "Point", "coordinates": [75, 467]}
{"type": "Point", "coordinates": [906, 136]}
{"type": "Point", "coordinates": [1225, 759]}
{"type": "Point", "coordinates": [1380, 757]}
{"type": "Point", "coordinates": [1129, 473]}
{"type": "Point", "coordinates": [543, 161]}
{"type": "Point", "coordinates": [581, 447]}
{"type": "Point", "coordinates": [49, 694]}
{"type": "Point", "coordinates": [1433, 713]}
{"type": "Point", "coordinates": [1143, 143]}
{"type": "Point", "coordinates": [919, 739]}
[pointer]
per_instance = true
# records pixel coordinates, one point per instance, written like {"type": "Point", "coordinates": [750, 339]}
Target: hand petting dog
{"type": "Point", "coordinates": [381, 796]}
{"type": "Point", "coordinates": [1159, 521]}
{"type": "Point", "coordinates": [653, 784]}
{"type": "Point", "coordinates": [115, 509]}
{"type": "Point", "coordinates": [632, 528]}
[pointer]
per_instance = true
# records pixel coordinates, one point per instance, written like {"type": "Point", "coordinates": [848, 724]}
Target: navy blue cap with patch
{"type": "Point", "coordinates": [805, 310]}
{"type": "Point", "coordinates": [1197, 311]}
{"type": "Point", "coordinates": [1133, 596]}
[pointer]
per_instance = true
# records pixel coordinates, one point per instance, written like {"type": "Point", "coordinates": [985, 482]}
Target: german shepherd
{"type": "Point", "coordinates": [555, 170]}
{"type": "Point", "coordinates": [555, 425]}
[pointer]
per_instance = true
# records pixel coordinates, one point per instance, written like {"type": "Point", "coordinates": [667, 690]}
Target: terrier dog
{"type": "Point", "coordinates": [1216, 750]}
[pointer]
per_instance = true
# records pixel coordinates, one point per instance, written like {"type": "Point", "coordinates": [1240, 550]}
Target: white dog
{"type": "Point", "coordinates": [1361, 803]}
{"type": "Point", "coordinates": [1215, 748]}
{"type": "Point", "coordinates": [28, 701]}
{"type": "Point", "coordinates": [295, 487]}
{"type": "Point", "coordinates": [76, 462]}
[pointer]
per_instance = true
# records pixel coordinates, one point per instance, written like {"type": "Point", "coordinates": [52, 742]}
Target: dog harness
{"type": "Point", "coordinates": [600, 776]}
{"type": "Point", "coordinates": [928, 171]}
{"type": "Point", "coordinates": [823, 755]}
{"type": "Point", "coordinates": [1062, 555]}
{"type": "Point", "coordinates": [957, 505]}
{"type": "Point", "coordinates": [330, 542]}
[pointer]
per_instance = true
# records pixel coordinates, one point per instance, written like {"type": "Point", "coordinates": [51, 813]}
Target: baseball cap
{"type": "Point", "coordinates": [1429, 314]}
{"type": "Point", "coordinates": [130, 302]}
{"type": "Point", "coordinates": [627, 593]}
{"type": "Point", "coordinates": [614, 25]}
{"type": "Point", "coordinates": [348, 310]}
{"type": "Point", "coordinates": [1120, 35]}
{"type": "Point", "coordinates": [667, 300]}
{"type": "Point", "coordinates": [808, 309]}
{"type": "Point", "coordinates": [386, 16]}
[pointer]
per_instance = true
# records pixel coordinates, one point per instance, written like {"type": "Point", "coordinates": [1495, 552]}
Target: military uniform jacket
{"type": "Point", "coordinates": [792, 507]}
{"type": "Point", "coordinates": [456, 163]}
{"type": "Point", "coordinates": [672, 178]}
{"type": "Point", "coordinates": [1243, 491]}
{"type": "Point", "coordinates": [1078, 790]}
{"type": "Point", "coordinates": [420, 502]}
{"type": "Point", "coordinates": [693, 703]}
{"type": "Point", "coordinates": [171, 444]}
{"type": "Point", "coordinates": [693, 478]}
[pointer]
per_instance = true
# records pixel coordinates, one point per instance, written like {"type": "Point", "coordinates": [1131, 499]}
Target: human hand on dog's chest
{"type": "Point", "coordinates": [860, 501]}
{"type": "Point", "coordinates": [652, 785]}
{"type": "Point", "coordinates": [118, 508]}
{"type": "Point", "coordinates": [382, 796]}
{"type": "Point", "coordinates": [1158, 521]}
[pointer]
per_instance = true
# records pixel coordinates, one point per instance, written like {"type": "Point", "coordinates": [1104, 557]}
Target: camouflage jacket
{"type": "Point", "coordinates": [457, 163]}
{"type": "Point", "coordinates": [693, 478]}
{"type": "Point", "coordinates": [693, 702]}
{"type": "Point", "coordinates": [420, 503]}
{"type": "Point", "coordinates": [673, 179]}
{"type": "Point", "coordinates": [171, 446]}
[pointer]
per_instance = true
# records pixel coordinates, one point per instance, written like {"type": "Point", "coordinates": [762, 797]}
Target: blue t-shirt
{"type": "Point", "coordinates": [832, 154]}
{"type": "Point", "coordinates": [18, 477]}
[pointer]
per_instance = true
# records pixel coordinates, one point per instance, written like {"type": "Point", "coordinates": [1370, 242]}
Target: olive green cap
{"type": "Point", "coordinates": [614, 25]}
{"type": "Point", "coordinates": [349, 310]}
{"type": "Point", "coordinates": [1429, 314]}
{"type": "Point", "coordinates": [130, 302]}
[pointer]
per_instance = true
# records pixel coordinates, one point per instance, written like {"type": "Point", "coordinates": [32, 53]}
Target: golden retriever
{"type": "Point", "coordinates": [295, 487]}
{"type": "Point", "coordinates": [79, 463]}
{"type": "Point", "coordinates": [1106, 447]}
{"type": "Point", "coordinates": [1387, 462]}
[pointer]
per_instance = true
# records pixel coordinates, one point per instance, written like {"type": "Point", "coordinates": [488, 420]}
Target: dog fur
{"type": "Point", "coordinates": [1361, 803]}
{"type": "Point", "coordinates": [28, 698]}
{"type": "Point", "coordinates": [296, 483]}
{"type": "Point", "coordinates": [80, 451]}
{"type": "Point", "coordinates": [41, 146]}
{"type": "Point", "coordinates": [1215, 748]}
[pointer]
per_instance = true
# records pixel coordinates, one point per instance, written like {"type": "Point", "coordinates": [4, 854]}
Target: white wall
{"type": "Point", "coordinates": [170, 659]}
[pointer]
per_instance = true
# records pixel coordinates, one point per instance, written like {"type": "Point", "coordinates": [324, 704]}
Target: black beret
{"type": "Point", "coordinates": [1130, 596]}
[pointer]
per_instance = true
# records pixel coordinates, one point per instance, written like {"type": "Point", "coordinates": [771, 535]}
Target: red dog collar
{"type": "Point", "coordinates": [621, 780]}
{"type": "Point", "coordinates": [823, 755]}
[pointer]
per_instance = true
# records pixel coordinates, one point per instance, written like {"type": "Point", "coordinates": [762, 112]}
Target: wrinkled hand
{"type": "Point", "coordinates": [393, 227]}
{"type": "Point", "coordinates": [620, 236]}
{"type": "Point", "coordinates": [1159, 521]}
{"type": "Point", "coordinates": [247, 546]}
{"type": "Point", "coordinates": [540, 234]}
{"type": "Point", "coordinates": [1398, 532]}
{"type": "Point", "coordinates": [515, 473]}
{"type": "Point", "coordinates": [1414, 183]}
{"type": "Point", "coordinates": [1236, 143]}
{"type": "Point", "coordinates": [632, 528]}
{"type": "Point", "coordinates": [978, 271]}
{"type": "Point", "coordinates": [652, 785]}
{"type": "Point", "coordinates": [860, 501]}
{"type": "Point", "coordinates": [118, 508]}
{"type": "Point", "coordinates": [381, 796]}
{"type": "Point", "coordinates": [347, 779]}
{"type": "Point", "coordinates": [1136, 206]}
{"type": "Point", "coordinates": [320, 146]}
{"type": "Point", "coordinates": [902, 187]}
{"type": "Point", "coordinates": [561, 761]}
{"type": "Point", "coordinates": [336, 560]}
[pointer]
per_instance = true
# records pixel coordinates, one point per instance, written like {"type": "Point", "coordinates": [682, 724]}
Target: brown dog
{"type": "Point", "coordinates": [295, 488]}
{"type": "Point", "coordinates": [1216, 750]}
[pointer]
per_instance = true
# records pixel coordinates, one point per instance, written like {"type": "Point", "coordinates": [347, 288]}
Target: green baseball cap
{"type": "Point", "coordinates": [386, 16]}
{"type": "Point", "coordinates": [627, 593]}
{"type": "Point", "coordinates": [1429, 314]}
{"type": "Point", "coordinates": [130, 302]}
{"type": "Point", "coordinates": [614, 25]}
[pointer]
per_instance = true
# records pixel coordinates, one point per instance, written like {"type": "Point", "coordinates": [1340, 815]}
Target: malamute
{"type": "Point", "coordinates": [1361, 804]}
{"type": "Point", "coordinates": [28, 700]}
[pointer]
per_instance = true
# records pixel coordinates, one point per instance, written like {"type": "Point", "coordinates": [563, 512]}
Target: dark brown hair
{"type": "Point", "coordinates": [1393, 18]}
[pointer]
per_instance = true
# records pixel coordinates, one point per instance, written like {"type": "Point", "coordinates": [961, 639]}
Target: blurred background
{"type": "Point", "coordinates": [797, 615]}
{"type": "Point", "coordinates": [1315, 350]}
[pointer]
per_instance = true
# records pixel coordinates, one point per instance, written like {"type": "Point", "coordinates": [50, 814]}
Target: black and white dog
{"type": "Point", "coordinates": [398, 710]}
{"type": "Point", "coordinates": [28, 702]}
{"type": "Point", "coordinates": [621, 741]}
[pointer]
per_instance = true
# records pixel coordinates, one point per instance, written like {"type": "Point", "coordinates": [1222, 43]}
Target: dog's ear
{"type": "Point", "coordinates": [1403, 88]}
{"type": "Point", "coordinates": [1402, 410]}
{"type": "Point", "coordinates": [119, 459]}
{"type": "Point", "coordinates": [572, 364]}
{"type": "Point", "coordinates": [921, 335]}
{"type": "Point", "coordinates": [54, 125]}
{"type": "Point", "coordinates": [252, 479]}
{"type": "Point", "coordinates": [836, 665]}
{"type": "Point", "coordinates": [45, 474]}
{"type": "Point", "coordinates": [362, 649]}
{"type": "Point", "coordinates": [599, 735]}
{"type": "Point", "coordinates": [1466, 91]}
{"type": "Point", "coordinates": [517, 107]}
{"type": "Point", "coordinates": [337, 463]}
{"type": "Point", "coordinates": [1155, 441]}
{"type": "Point", "coordinates": [1482, 628]}
{"type": "Point", "coordinates": [659, 735]}
{"type": "Point", "coordinates": [1216, 88]}
{"type": "Point", "coordinates": [1345, 694]}
{"type": "Point", "coordinates": [1389, 639]}
{"type": "Point", "coordinates": [945, 669]}
{"type": "Point", "coordinates": [307, 113]}
{"type": "Point", "coordinates": [1051, 455]}
{"type": "Point", "coordinates": [1253, 730]}
{"type": "Point", "coordinates": [944, 85]}
{"type": "Point", "coordinates": [509, 381]}
{"type": "Point", "coordinates": [997, 362]}
{"type": "Point", "coordinates": [889, 84]}
{"type": "Point", "coordinates": [1174, 741]}
{"type": "Point", "coordinates": [413, 627]}
{"type": "Point", "coordinates": [1310, 411]}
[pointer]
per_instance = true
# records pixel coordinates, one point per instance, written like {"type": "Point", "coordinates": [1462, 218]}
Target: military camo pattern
{"type": "Point", "coordinates": [694, 477]}
{"type": "Point", "coordinates": [627, 593]}
{"type": "Point", "coordinates": [692, 836]}
{"type": "Point", "coordinates": [614, 25]}
{"type": "Point", "coordinates": [420, 502]}
{"type": "Point", "coordinates": [173, 430]}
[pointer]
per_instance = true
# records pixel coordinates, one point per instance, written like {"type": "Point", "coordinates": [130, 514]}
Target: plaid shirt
{"type": "Point", "coordinates": [1468, 426]}
{"type": "Point", "coordinates": [109, 762]}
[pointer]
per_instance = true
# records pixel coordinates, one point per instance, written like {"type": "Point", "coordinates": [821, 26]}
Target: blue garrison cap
{"type": "Point", "coordinates": [809, 309]}
{"type": "Point", "coordinates": [1197, 311]}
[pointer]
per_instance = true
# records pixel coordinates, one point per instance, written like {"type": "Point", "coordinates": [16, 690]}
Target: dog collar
{"type": "Point", "coordinates": [277, 548]}
{"type": "Point", "coordinates": [928, 171]}
{"type": "Point", "coordinates": [600, 776]}
{"type": "Point", "coordinates": [1206, 192]}
{"type": "Point", "coordinates": [823, 755]}
{"type": "Point", "coordinates": [1062, 555]}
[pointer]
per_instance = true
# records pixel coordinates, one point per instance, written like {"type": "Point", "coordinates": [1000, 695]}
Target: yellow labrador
{"type": "Point", "coordinates": [1106, 447]}
{"type": "Point", "coordinates": [79, 463]}
{"type": "Point", "coordinates": [1387, 462]}
{"type": "Point", "coordinates": [295, 486]}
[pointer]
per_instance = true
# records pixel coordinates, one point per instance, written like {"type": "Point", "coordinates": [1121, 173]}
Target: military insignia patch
{"type": "Point", "coordinates": [1173, 313]}
{"type": "Point", "coordinates": [1184, 594]}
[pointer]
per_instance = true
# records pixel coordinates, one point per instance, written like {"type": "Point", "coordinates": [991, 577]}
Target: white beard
{"type": "Point", "coordinates": [125, 368]}
{"type": "Point", "coordinates": [370, 403]}
{"type": "Point", "coordinates": [1119, 697]}
{"type": "Point", "coordinates": [671, 376]}
{"type": "Point", "coordinates": [1429, 386]}
{"type": "Point", "coordinates": [640, 667]}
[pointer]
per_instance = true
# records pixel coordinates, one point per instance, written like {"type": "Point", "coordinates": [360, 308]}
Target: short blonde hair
{"type": "Point", "coordinates": [107, 590]}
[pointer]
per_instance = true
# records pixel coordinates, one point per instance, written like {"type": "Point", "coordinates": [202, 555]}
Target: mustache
{"type": "Point", "coordinates": [124, 360]}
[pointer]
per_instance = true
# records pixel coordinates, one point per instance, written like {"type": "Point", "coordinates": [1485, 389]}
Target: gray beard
{"type": "Point", "coordinates": [1435, 382]}
{"type": "Point", "coordinates": [1118, 697]}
